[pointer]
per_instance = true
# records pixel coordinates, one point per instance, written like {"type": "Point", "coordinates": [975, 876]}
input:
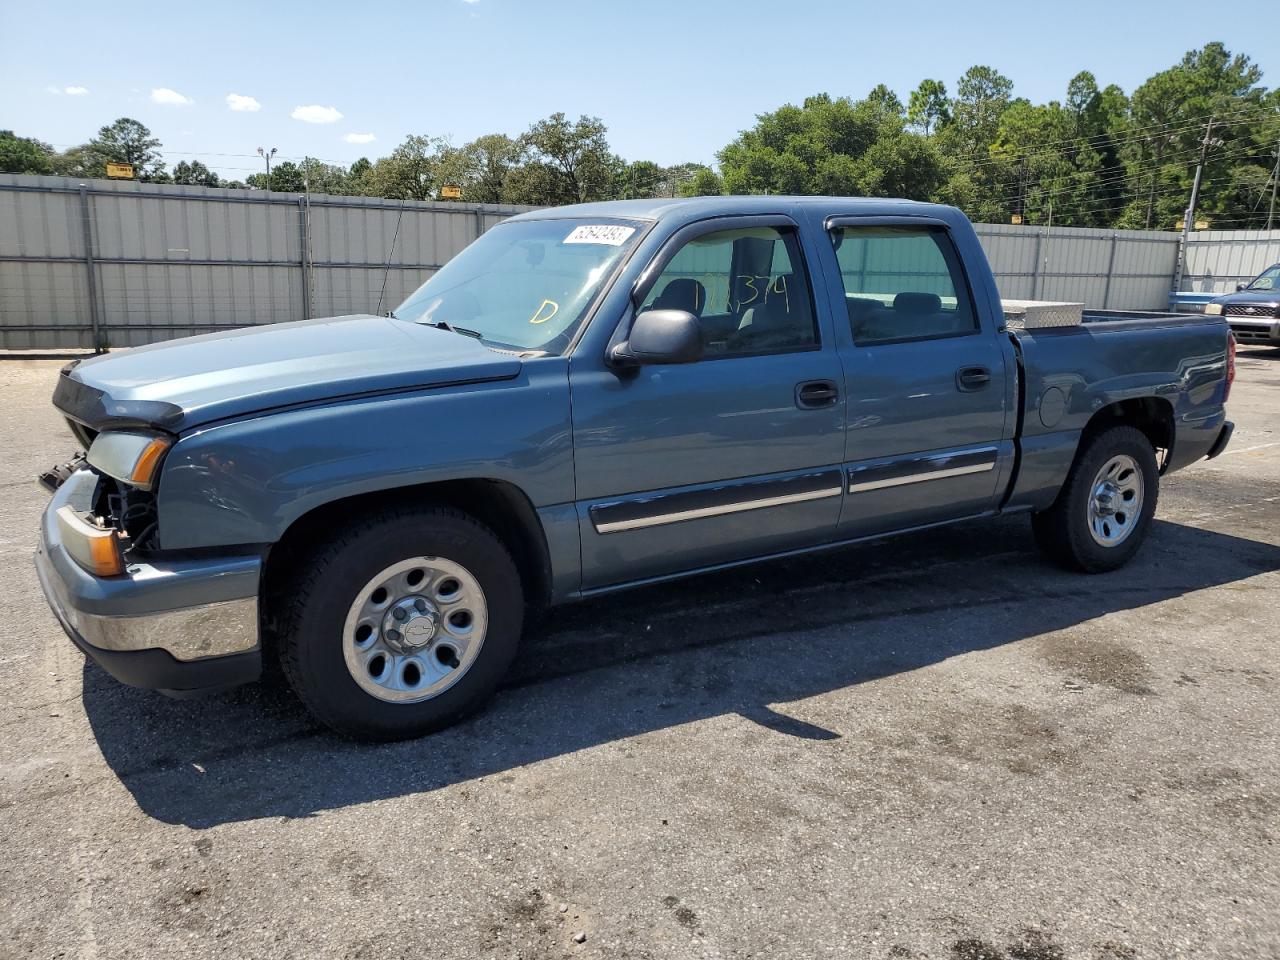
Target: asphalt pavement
{"type": "Point", "coordinates": [932, 747]}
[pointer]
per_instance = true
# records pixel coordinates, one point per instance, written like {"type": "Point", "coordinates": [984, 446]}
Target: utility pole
{"type": "Point", "coordinates": [1195, 184]}
{"type": "Point", "coordinates": [1188, 218]}
{"type": "Point", "coordinates": [1275, 178]}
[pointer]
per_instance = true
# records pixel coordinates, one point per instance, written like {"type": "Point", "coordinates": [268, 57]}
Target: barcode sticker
{"type": "Point", "coordinates": [611, 234]}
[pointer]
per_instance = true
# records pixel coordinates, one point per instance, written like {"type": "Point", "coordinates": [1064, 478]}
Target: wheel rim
{"type": "Point", "coordinates": [415, 629]}
{"type": "Point", "coordinates": [1115, 503]}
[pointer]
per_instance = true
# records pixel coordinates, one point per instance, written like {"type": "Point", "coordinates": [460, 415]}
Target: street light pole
{"type": "Point", "coordinates": [267, 155]}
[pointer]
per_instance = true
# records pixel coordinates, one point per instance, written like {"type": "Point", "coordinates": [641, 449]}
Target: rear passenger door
{"type": "Point", "coordinates": [929, 412]}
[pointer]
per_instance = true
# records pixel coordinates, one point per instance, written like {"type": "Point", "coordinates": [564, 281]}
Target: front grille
{"type": "Point", "coordinates": [1252, 310]}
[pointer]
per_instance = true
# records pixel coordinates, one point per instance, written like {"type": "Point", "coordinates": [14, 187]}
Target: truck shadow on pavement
{"type": "Point", "coordinates": [617, 667]}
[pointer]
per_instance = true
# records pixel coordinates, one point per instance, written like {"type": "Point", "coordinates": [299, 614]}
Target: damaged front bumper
{"type": "Point", "coordinates": [179, 626]}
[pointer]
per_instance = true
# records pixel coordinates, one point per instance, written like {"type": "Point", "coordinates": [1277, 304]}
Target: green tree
{"type": "Point", "coordinates": [928, 107]}
{"type": "Point", "coordinates": [24, 154]}
{"type": "Point", "coordinates": [982, 95]}
{"type": "Point", "coordinates": [286, 177]}
{"type": "Point", "coordinates": [128, 141]}
{"type": "Point", "coordinates": [974, 182]}
{"type": "Point", "coordinates": [832, 146]}
{"type": "Point", "coordinates": [358, 175]}
{"type": "Point", "coordinates": [411, 172]}
{"type": "Point", "coordinates": [481, 167]}
{"type": "Point", "coordinates": [320, 177]}
{"type": "Point", "coordinates": [641, 178]}
{"type": "Point", "coordinates": [195, 173]}
{"type": "Point", "coordinates": [566, 163]}
{"type": "Point", "coordinates": [704, 182]}
{"type": "Point", "coordinates": [1170, 113]}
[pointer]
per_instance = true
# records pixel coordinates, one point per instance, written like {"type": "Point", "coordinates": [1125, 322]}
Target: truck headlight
{"type": "Point", "coordinates": [132, 458]}
{"type": "Point", "coordinates": [1213, 309]}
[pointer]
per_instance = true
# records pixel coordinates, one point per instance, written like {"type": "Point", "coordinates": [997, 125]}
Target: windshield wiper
{"type": "Point", "coordinates": [446, 325]}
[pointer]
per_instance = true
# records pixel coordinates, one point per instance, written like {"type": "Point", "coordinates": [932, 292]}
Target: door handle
{"type": "Point", "coordinates": [815, 394]}
{"type": "Point", "coordinates": [969, 379]}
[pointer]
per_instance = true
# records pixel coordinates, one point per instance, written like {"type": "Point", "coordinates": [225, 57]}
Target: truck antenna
{"type": "Point", "coordinates": [390, 254]}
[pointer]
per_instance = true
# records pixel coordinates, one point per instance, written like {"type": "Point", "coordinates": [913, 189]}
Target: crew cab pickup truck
{"type": "Point", "coordinates": [586, 399]}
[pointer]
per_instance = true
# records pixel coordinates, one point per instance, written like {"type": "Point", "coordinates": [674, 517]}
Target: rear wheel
{"type": "Point", "coordinates": [401, 623]}
{"type": "Point", "coordinates": [1104, 510]}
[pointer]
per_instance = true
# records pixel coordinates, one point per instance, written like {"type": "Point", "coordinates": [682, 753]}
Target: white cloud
{"type": "Point", "coordinates": [470, 1]}
{"type": "Point", "coordinates": [243, 104]}
{"type": "Point", "coordinates": [169, 97]}
{"type": "Point", "coordinates": [316, 114]}
{"type": "Point", "coordinates": [75, 91]}
{"type": "Point", "coordinates": [359, 138]}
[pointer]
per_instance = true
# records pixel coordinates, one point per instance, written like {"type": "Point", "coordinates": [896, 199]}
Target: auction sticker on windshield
{"type": "Point", "coordinates": [611, 234]}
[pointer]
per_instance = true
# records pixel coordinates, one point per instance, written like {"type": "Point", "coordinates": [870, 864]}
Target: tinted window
{"type": "Point", "coordinates": [747, 288]}
{"type": "Point", "coordinates": [902, 283]}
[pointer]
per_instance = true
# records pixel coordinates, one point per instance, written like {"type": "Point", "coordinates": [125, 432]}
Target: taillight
{"type": "Point", "coordinates": [1231, 365]}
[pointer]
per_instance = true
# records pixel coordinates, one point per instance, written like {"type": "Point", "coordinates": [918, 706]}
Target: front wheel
{"type": "Point", "coordinates": [1104, 510]}
{"type": "Point", "coordinates": [402, 623]}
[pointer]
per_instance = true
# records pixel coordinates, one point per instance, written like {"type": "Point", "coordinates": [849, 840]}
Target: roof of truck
{"type": "Point", "coordinates": [696, 208]}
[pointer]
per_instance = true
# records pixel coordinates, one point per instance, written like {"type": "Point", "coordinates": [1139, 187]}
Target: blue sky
{"type": "Point", "coordinates": [672, 80]}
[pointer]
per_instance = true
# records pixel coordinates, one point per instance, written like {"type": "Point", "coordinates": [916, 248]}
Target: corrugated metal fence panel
{"type": "Point", "coordinates": [42, 271]}
{"type": "Point", "coordinates": [1113, 269]}
{"type": "Point", "coordinates": [1217, 260]}
{"type": "Point", "coordinates": [173, 260]}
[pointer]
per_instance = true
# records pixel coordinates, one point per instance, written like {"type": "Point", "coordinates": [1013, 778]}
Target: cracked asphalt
{"type": "Point", "coordinates": [932, 747]}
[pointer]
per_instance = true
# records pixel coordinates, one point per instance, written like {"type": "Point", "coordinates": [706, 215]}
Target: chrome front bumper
{"type": "Point", "coordinates": [174, 625]}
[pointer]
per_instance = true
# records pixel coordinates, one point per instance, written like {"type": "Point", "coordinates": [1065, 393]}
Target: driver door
{"type": "Point", "coordinates": [737, 455]}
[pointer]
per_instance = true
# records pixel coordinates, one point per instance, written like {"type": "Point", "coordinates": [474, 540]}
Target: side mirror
{"type": "Point", "coordinates": [660, 336]}
{"type": "Point", "coordinates": [1241, 286]}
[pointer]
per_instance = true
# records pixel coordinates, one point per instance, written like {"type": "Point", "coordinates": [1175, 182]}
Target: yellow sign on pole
{"type": "Point", "coordinates": [120, 171]}
{"type": "Point", "coordinates": [1016, 219]}
{"type": "Point", "coordinates": [1202, 224]}
{"type": "Point", "coordinates": [451, 193]}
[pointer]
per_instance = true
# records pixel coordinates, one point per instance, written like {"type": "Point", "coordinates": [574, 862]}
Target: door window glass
{"type": "Point", "coordinates": [902, 283]}
{"type": "Point", "coordinates": [746, 287]}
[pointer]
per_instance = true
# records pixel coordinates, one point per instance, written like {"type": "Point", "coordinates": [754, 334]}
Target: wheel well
{"type": "Point", "coordinates": [500, 506]}
{"type": "Point", "coordinates": [1152, 415]}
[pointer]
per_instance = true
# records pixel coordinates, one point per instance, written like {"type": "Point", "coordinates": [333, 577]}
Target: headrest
{"type": "Point", "coordinates": [682, 293]}
{"type": "Point", "coordinates": [919, 304]}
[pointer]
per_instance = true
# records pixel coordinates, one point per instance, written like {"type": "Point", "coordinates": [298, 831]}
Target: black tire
{"type": "Point", "coordinates": [1063, 530]}
{"type": "Point", "coordinates": [319, 594]}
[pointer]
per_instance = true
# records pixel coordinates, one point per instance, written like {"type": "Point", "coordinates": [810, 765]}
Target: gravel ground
{"type": "Point", "coordinates": [935, 747]}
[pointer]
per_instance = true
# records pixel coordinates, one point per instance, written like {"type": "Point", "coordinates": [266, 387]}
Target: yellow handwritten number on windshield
{"type": "Point", "coordinates": [541, 315]}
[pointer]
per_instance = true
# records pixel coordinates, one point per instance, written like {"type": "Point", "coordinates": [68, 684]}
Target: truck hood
{"type": "Point", "coordinates": [185, 383]}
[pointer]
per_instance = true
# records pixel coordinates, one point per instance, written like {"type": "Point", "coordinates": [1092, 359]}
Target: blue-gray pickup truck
{"type": "Point", "coordinates": [586, 399]}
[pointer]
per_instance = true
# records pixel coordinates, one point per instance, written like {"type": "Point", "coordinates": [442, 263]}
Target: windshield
{"type": "Point", "coordinates": [525, 284]}
{"type": "Point", "coordinates": [1269, 279]}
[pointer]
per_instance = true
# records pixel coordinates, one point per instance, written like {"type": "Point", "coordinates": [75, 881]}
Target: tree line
{"type": "Point", "coordinates": [1099, 157]}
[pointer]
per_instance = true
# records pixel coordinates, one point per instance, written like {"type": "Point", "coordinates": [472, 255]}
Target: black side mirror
{"type": "Point", "coordinates": [660, 336]}
{"type": "Point", "coordinates": [1241, 286]}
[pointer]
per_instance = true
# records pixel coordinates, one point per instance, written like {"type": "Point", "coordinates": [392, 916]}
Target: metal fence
{"type": "Point", "coordinates": [1103, 269]}
{"type": "Point", "coordinates": [1217, 260]}
{"type": "Point", "coordinates": [124, 263]}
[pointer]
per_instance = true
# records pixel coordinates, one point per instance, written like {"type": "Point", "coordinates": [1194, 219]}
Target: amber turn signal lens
{"type": "Point", "coordinates": [107, 560]}
{"type": "Point", "coordinates": [144, 468]}
{"type": "Point", "coordinates": [95, 549]}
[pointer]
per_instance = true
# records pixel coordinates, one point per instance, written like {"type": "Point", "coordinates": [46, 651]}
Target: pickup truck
{"type": "Point", "coordinates": [586, 399]}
